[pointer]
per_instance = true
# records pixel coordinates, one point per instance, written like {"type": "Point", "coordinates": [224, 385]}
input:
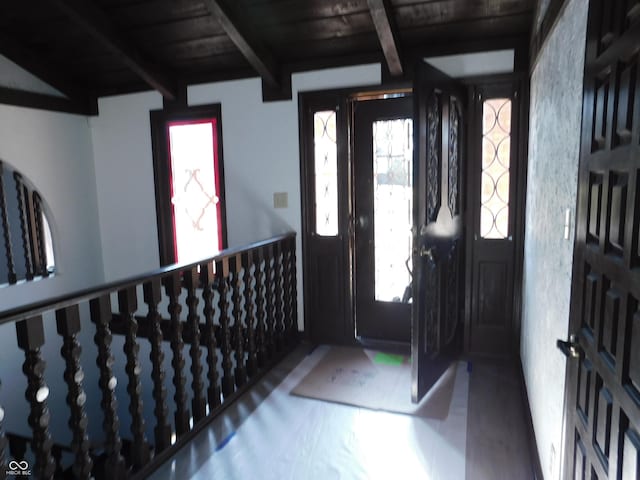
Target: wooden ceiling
{"type": "Point", "coordinates": [92, 48]}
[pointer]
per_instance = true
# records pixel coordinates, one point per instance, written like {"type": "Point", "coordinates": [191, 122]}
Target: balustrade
{"type": "Point", "coordinates": [237, 308]}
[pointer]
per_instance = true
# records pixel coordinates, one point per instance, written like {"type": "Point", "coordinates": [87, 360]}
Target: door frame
{"type": "Point", "coordinates": [340, 98]}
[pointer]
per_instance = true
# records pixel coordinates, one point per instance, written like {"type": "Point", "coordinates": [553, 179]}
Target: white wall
{"type": "Point", "coordinates": [555, 121]}
{"type": "Point", "coordinates": [261, 156]}
{"type": "Point", "coordinates": [14, 76]}
{"type": "Point", "coordinates": [54, 151]}
{"type": "Point", "coordinates": [125, 188]}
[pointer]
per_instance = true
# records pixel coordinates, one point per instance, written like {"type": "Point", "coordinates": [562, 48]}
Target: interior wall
{"type": "Point", "coordinates": [261, 157]}
{"type": "Point", "coordinates": [554, 141]}
{"type": "Point", "coordinates": [54, 151]}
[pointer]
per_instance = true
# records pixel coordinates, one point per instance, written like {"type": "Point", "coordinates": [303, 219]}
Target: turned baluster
{"type": "Point", "coordinates": [162, 431]}
{"type": "Point", "coordinates": [271, 304]}
{"type": "Point", "coordinates": [260, 308]}
{"type": "Point", "coordinates": [238, 311]}
{"type": "Point", "coordinates": [294, 289]}
{"type": "Point", "coordinates": [286, 298]}
{"type": "Point", "coordinates": [24, 225]}
{"type": "Point", "coordinates": [291, 299]}
{"type": "Point", "coordinates": [128, 304]}
{"type": "Point", "coordinates": [198, 404]}
{"type": "Point", "coordinates": [8, 248]}
{"type": "Point", "coordinates": [3, 444]}
{"type": "Point", "coordinates": [207, 276]}
{"type": "Point", "coordinates": [173, 286]}
{"type": "Point", "coordinates": [30, 333]}
{"type": "Point", "coordinates": [250, 319]}
{"type": "Point", "coordinates": [278, 268]}
{"type": "Point", "coordinates": [41, 252]}
{"type": "Point", "coordinates": [114, 465]}
{"type": "Point", "coordinates": [68, 325]}
{"type": "Point", "coordinates": [222, 276]}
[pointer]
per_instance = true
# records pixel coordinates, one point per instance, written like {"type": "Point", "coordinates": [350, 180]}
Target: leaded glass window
{"type": "Point", "coordinates": [326, 172]}
{"type": "Point", "coordinates": [495, 178]}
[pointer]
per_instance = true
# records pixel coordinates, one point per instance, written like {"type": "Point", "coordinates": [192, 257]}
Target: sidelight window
{"type": "Point", "coordinates": [326, 172]}
{"type": "Point", "coordinates": [495, 177]}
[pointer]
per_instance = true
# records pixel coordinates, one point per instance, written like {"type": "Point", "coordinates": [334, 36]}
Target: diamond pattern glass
{"type": "Point", "coordinates": [194, 196]}
{"type": "Point", "coordinates": [495, 178]}
{"type": "Point", "coordinates": [393, 203]}
{"type": "Point", "coordinates": [326, 172]}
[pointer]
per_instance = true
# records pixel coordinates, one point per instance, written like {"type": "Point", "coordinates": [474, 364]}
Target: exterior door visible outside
{"type": "Point", "coordinates": [602, 406]}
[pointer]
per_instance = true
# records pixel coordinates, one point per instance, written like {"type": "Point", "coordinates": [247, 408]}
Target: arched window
{"type": "Point", "coordinates": [26, 234]}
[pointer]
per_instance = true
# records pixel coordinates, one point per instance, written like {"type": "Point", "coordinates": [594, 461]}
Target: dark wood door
{"type": "Point", "coordinates": [493, 212]}
{"type": "Point", "coordinates": [602, 410]}
{"type": "Point", "coordinates": [383, 195]}
{"type": "Point", "coordinates": [438, 226]}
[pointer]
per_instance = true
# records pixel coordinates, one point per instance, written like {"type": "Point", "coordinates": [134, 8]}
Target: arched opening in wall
{"type": "Point", "coordinates": [26, 243]}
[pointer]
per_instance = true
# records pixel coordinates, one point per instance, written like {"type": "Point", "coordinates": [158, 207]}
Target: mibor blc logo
{"type": "Point", "coordinates": [19, 468]}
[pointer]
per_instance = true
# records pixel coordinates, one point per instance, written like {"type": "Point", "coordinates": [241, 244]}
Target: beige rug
{"type": "Point", "coordinates": [375, 380]}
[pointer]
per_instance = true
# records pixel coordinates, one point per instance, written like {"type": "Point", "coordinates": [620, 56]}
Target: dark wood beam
{"type": "Point", "coordinates": [239, 33]}
{"type": "Point", "coordinates": [97, 24]}
{"type": "Point", "coordinates": [38, 66]}
{"type": "Point", "coordinates": [21, 98]}
{"type": "Point", "coordinates": [387, 34]}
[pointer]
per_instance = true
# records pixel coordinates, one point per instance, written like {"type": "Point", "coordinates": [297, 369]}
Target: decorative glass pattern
{"type": "Point", "coordinates": [495, 179]}
{"type": "Point", "coordinates": [393, 204]}
{"type": "Point", "coordinates": [326, 172]}
{"type": "Point", "coordinates": [195, 189]}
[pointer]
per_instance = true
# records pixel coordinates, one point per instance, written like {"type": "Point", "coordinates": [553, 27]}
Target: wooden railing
{"type": "Point", "coordinates": [23, 229]}
{"type": "Point", "coordinates": [230, 318]}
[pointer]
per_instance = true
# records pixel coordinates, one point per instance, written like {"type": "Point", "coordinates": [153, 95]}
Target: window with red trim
{"type": "Point", "coordinates": [187, 151]}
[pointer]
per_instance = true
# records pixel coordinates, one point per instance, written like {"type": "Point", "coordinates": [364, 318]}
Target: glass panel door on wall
{"type": "Point", "coordinates": [382, 216]}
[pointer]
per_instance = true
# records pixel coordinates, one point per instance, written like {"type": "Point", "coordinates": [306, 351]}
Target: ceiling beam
{"type": "Point", "coordinates": [96, 23]}
{"type": "Point", "coordinates": [38, 66]}
{"type": "Point", "coordinates": [21, 98]}
{"type": "Point", "coordinates": [239, 33]}
{"type": "Point", "coordinates": [387, 34]}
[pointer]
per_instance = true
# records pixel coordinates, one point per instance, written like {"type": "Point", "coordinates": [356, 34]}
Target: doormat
{"type": "Point", "coordinates": [377, 381]}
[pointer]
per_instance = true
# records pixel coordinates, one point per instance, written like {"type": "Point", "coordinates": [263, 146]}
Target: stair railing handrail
{"type": "Point", "coordinates": [65, 300]}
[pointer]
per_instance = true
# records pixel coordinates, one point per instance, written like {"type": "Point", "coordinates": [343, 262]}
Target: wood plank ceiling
{"type": "Point", "coordinates": [92, 48]}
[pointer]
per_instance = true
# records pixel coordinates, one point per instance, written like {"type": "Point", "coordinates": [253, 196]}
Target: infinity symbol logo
{"type": "Point", "coordinates": [23, 465]}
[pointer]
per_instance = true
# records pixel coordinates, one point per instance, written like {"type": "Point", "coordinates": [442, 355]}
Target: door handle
{"type": "Point", "coordinates": [428, 253]}
{"type": "Point", "coordinates": [571, 348]}
{"type": "Point", "coordinates": [363, 221]}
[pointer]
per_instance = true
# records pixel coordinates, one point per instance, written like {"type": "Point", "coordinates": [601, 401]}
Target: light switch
{"type": "Point", "coordinates": [567, 223]}
{"type": "Point", "coordinates": [280, 200]}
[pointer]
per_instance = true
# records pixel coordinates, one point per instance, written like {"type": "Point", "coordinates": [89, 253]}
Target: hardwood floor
{"type": "Point", "coordinates": [497, 435]}
{"type": "Point", "coordinates": [497, 440]}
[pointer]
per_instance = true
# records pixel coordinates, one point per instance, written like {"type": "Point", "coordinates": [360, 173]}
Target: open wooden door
{"type": "Point", "coordinates": [602, 397]}
{"type": "Point", "coordinates": [438, 209]}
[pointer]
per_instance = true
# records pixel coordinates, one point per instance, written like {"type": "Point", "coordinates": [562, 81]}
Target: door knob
{"type": "Point", "coordinates": [363, 221]}
{"type": "Point", "coordinates": [571, 348]}
{"type": "Point", "coordinates": [428, 253]}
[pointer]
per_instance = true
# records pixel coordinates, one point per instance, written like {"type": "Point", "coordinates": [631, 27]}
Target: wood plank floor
{"type": "Point", "coordinates": [497, 439]}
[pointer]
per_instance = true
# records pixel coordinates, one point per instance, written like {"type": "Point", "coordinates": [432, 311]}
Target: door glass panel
{"type": "Point", "coordinates": [195, 200]}
{"type": "Point", "coordinates": [496, 153]}
{"type": "Point", "coordinates": [326, 172]}
{"type": "Point", "coordinates": [393, 203]}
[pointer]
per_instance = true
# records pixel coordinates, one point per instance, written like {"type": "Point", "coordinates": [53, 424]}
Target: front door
{"type": "Point", "coordinates": [383, 197]}
{"type": "Point", "coordinates": [602, 409]}
{"type": "Point", "coordinates": [437, 226]}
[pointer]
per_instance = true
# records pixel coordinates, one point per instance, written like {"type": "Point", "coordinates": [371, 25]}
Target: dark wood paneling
{"type": "Point", "coordinates": [602, 407]}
